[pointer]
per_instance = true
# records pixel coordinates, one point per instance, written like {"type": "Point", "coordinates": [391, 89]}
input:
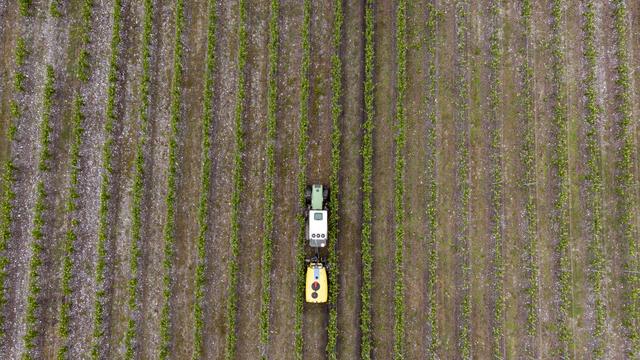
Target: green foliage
{"type": "Point", "coordinates": [626, 184]}
{"type": "Point", "coordinates": [31, 317]}
{"type": "Point", "coordinates": [401, 85]}
{"type": "Point", "coordinates": [367, 187]}
{"type": "Point", "coordinates": [232, 299]}
{"type": "Point", "coordinates": [462, 173]}
{"type": "Point", "coordinates": [54, 8]}
{"type": "Point", "coordinates": [303, 145]}
{"type": "Point", "coordinates": [103, 223]}
{"type": "Point", "coordinates": [561, 165]}
{"type": "Point", "coordinates": [528, 161]}
{"type": "Point", "coordinates": [267, 239]}
{"type": "Point", "coordinates": [8, 182]}
{"type": "Point", "coordinates": [432, 187]}
{"type": "Point", "coordinates": [25, 7]}
{"type": "Point", "coordinates": [497, 199]}
{"type": "Point", "coordinates": [138, 184]}
{"type": "Point", "coordinates": [334, 179]}
{"type": "Point", "coordinates": [83, 68]}
{"type": "Point", "coordinates": [170, 200]}
{"type": "Point", "coordinates": [72, 226]}
{"type": "Point", "coordinates": [594, 181]}
{"type": "Point", "coordinates": [205, 185]}
{"type": "Point", "coordinates": [19, 77]}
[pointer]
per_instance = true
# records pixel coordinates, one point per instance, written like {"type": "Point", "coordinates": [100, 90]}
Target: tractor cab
{"type": "Point", "coordinates": [316, 289]}
{"type": "Point", "coordinates": [316, 197]}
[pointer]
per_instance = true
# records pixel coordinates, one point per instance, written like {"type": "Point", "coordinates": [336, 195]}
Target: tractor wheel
{"type": "Point", "coordinates": [307, 194]}
{"type": "Point", "coordinates": [325, 195]}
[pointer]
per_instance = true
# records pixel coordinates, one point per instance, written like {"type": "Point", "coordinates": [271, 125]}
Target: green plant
{"type": "Point", "coordinates": [54, 8]}
{"type": "Point", "coordinates": [462, 174]}
{"type": "Point", "coordinates": [8, 182]}
{"type": "Point", "coordinates": [25, 6]}
{"type": "Point", "coordinates": [594, 181]}
{"type": "Point", "coordinates": [432, 186]}
{"type": "Point", "coordinates": [626, 183]}
{"type": "Point", "coordinates": [103, 222]}
{"type": "Point", "coordinates": [497, 200]}
{"type": "Point", "coordinates": [367, 187]}
{"type": "Point", "coordinates": [205, 184]}
{"type": "Point", "coordinates": [71, 205]}
{"type": "Point", "coordinates": [561, 165]}
{"type": "Point", "coordinates": [267, 239]}
{"type": "Point", "coordinates": [232, 299]}
{"type": "Point", "coordinates": [138, 183]}
{"type": "Point", "coordinates": [170, 200]}
{"type": "Point", "coordinates": [401, 85]}
{"type": "Point", "coordinates": [303, 144]}
{"type": "Point", "coordinates": [83, 68]}
{"type": "Point", "coordinates": [528, 183]}
{"type": "Point", "coordinates": [31, 317]}
{"type": "Point", "coordinates": [334, 179]}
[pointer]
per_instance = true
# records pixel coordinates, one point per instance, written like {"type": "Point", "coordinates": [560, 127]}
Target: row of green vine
{"type": "Point", "coordinates": [303, 145]}
{"type": "Point", "coordinates": [626, 183]}
{"type": "Point", "coordinates": [138, 192]}
{"type": "Point", "coordinates": [238, 184]}
{"type": "Point", "coordinates": [205, 185]}
{"type": "Point", "coordinates": [169, 235]}
{"type": "Point", "coordinates": [267, 238]}
{"type": "Point", "coordinates": [40, 208]}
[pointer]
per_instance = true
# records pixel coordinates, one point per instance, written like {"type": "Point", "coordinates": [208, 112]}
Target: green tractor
{"type": "Point", "coordinates": [316, 213]}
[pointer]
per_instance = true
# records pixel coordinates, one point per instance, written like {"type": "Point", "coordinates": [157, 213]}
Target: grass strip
{"type": "Point", "coordinates": [626, 184]}
{"type": "Point", "coordinates": [232, 299]}
{"type": "Point", "coordinates": [401, 86]}
{"type": "Point", "coordinates": [462, 174]}
{"type": "Point", "coordinates": [529, 184]}
{"type": "Point", "coordinates": [205, 185]}
{"type": "Point", "coordinates": [303, 145]}
{"type": "Point", "coordinates": [267, 237]}
{"type": "Point", "coordinates": [334, 179]}
{"type": "Point", "coordinates": [497, 197]}
{"type": "Point", "coordinates": [9, 179]}
{"type": "Point", "coordinates": [105, 187]}
{"type": "Point", "coordinates": [169, 230]}
{"type": "Point", "coordinates": [561, 164]}
{"type": "Point", "coordinates": [71, 203]}
{"type": "Point", "coordinates": [366, 345]}
{"type": "Point", "coordinates": [432, 186]}
{"type": "Point", "coordinates": [37, 243]}
{"type": "Point", "coordinates": [138, 185]}
{"type": "Point", "coordinates": [594, 182]}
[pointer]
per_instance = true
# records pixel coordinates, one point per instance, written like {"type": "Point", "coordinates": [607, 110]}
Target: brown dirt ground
{"type": "Point", "coordinates": [251, 204]}
{"type": "Point", "coordinates": [416, 261]}
{"type": "Point", "coordinates": [152, 242]}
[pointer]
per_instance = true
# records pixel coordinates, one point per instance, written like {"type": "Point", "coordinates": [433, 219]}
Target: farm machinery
{"type": "Point", "coordinates": [317, 230]}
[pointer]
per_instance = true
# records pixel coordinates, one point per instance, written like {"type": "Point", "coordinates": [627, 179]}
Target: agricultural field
{"type": "Point", "coordinates": [482, 159]}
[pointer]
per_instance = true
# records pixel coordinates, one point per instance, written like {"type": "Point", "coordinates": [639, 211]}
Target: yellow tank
{"type": "Point", "coordinates": [316, 289]}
